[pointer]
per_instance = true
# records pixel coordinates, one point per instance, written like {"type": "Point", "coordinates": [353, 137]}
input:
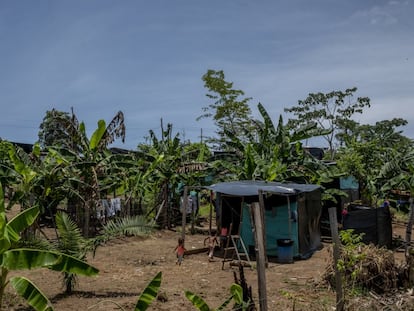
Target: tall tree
{"type": "Point", "coordinates": [89, 157]}
{"type": "Point", "coordinates": [329, 111]}
{"type": "Point", "coordinates": [369, 150]}
{"type": "Point", "coordinates": [274, 153]}
{"type": "Point", "coordinates": [229, 110]}
{"type": "Point", "coordinates": [51, 131]}
{"type": "Point", "coordinates": [166, 152]}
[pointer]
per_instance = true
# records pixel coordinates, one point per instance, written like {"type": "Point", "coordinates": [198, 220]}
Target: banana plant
{"type": "Point", "coordinates": [236, 295]}
{"type": "Point", "coordinates": [14, 258]}
{"type": "Point", "coordinates": [89, 158]}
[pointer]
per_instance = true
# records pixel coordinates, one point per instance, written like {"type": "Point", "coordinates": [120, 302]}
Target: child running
{"type": "Point", "coordinates": [180, 250]}
{"type": "Point", "coordinates": [211, 241]}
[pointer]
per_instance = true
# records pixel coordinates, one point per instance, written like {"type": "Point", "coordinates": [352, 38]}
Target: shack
{"type": "Point", "coordinates": [292, 212]}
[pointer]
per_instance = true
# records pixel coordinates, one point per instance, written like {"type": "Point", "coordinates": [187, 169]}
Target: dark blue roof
{"type": "Point", "coordinates": [252, 187]}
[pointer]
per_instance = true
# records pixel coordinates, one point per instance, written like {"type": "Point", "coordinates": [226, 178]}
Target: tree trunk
{"type": "Point", "coordinates": [3, 280]}
{"type": "Point", "coordinates": [86, 218]}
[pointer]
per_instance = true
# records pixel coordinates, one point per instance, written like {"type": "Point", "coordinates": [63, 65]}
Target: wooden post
{"type": "Point", "coordinates": [192, 216]}
{"type": "Point", "coordinates": [260, 254]}
{"type": "Point", "coordinates": [336, 253]}
{"type": "Point", "coordinates": [289, 217]}
{"type": "Point", "coordinates": [409, 228]}
{"type": "Point", "coordinates": [262, 209]}
{"type": "Point", "coordinates": [210, 216]}
{"type": "Point", "coordinates": [159, 211]}
{"type": "Point", "coordinates": [184, 215]}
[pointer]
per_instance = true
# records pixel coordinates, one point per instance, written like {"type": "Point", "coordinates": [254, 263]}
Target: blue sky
{"type": "Point", "coordinates": [146, 58]}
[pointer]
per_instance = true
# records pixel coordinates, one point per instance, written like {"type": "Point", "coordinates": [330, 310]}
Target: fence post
{"type": "Point", "coordinates": [260, 254]}
{"type": "Point", "coordinates": [336, 253]}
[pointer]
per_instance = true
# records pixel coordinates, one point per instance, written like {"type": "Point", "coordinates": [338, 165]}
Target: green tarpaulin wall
{"type": "Point", "coordinates": [277, 227]}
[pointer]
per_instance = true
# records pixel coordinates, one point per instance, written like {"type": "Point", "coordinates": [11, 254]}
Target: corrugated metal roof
{"type": "Point", "coordinates": [252, 187]}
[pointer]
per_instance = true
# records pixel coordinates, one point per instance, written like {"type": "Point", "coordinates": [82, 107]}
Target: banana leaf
{"type": "Point", "coordinates": [97, 135]}
{"type": "Point", "coordinates": [21, 259]}
{"type": "Point", "coordinates": [70, 264]}
{"type": "Point", "coordinates": [2, 205]}
{"type": "Point", "coordinates": [197, 301]}
{"type": "Point", "coordinates": [21, 222]}
{"type": "Point", "coordinates": [237, 293]}
{"type": "Point", "coordinates": [224, 304]}
{"type": "Point", "coordinates": [31, 293]}
{"type": "Point", "coordinates": [4, 238]}
{"type": "Point", "coordinates": [149, 294]}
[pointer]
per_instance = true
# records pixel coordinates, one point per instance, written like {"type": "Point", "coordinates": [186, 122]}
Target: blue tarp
{"type": "Point", "coordinates": [277, 227]}
{"type": "Point", "coordinates": [252, 187]}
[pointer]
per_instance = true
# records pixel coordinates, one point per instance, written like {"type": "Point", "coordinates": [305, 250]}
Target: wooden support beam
{"type": "Point", "coordinates": [336, 253]}
{"type": "Point", "coordinates": [184, 212]}
{"type": "Point", "coordinates": [260, 254]}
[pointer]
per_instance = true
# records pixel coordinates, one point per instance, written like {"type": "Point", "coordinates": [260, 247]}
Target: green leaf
{"type": "Point", "coordinates": [20, 259]}
{"type": "Point", "coordinates": [70, 264]}
{"type": "Point", "coordinates": [31, 293]}
{"type": "Point", "coordinates": [149, 294]}
{"type": "Point", "coordinates": [21, 222]}
{"type": "Point", "coordinates": [4, 243]}
{"type": "Point", "coordinates": [237, 292]}
{"type": "Point", "coordinates": [4, 237]}
{"type": "Point", "coordinates": [97, 135]}
{"type": "Point", "coordinates": [225, 303]}
{"type": "Point", "coordinates": [36, 149]}
{"type": "Point", "coordinates": [197, 301]}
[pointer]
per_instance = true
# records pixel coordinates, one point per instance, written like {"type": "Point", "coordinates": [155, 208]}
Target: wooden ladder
{"type": "Point", "coordinates": [236, 242]}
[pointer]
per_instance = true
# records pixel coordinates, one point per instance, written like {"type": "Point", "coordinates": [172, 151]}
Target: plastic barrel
{"type": "Point", "coordinates": [284, 251]}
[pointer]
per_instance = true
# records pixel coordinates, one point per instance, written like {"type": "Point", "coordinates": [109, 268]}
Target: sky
{"type": "Point", "coordinates": [147, 59]}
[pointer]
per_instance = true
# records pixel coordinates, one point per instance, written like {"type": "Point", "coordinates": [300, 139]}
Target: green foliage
{"type": "Point", "coordinates": [71, 242]}
{"type": "Point", "coordinates": [351, 257]}
{"type": "Point", "coordinates": [14, 258]}
{"type": "Point", "coordinates": [330, 111]}
{"type": "Point", "coordinates": [87, 159]}
{"type": "Point", "coordinates": [274, 153]}
{"type": "Point", "coordinates": [201, 305]}
{"type": "Point", "coordinates": [228, 111]}
{"type": "Point", "coordinates": [51, 131]}
{"type": "Point", "coordinates": [236, 295]}
{"type": "Point", "coordinates": [149, 294]}
{"type": "Point", "coordinates": [31, 293]}
{"type": "Point", "coordinates": [379, 157]}
{"type": "Point", "coordinates": [197, 301]}
{"type": "Point", "coordinates": [350, 239]}
{"type": "Point", "coordinates": [128, 225]}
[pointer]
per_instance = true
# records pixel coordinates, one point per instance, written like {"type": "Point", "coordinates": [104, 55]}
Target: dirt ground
{"type": "Point", "coordinates": [127, 265]}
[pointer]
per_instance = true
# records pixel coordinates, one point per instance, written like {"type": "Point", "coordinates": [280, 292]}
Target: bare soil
{"type": "Point", "coordinates": [127, 265]}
